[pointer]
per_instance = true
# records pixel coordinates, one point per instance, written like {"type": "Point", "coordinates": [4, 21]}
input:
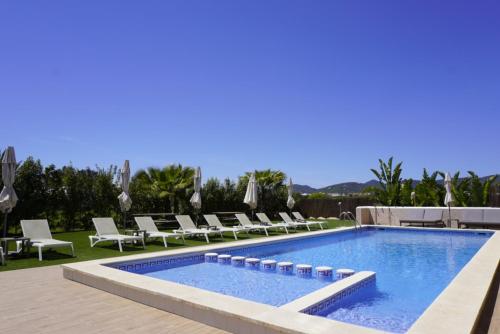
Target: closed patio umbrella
{"type": "Point", "coordinates": [124, 197]}
{"type": "Point", "coordinates": [448, 198]}
{"type": "Point", "coordinates": [196, 198]}
{"type": "Point", "coordinates": [8, 197]}
{"type": "Point", "coordinates": [290, 201]}
{"type": "Point", "coordinates": [251, 194]}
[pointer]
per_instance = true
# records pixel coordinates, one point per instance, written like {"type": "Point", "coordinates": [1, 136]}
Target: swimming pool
{"type": "Point", "coordinates": [405, 260]}
{"type": "Point", "coordinates": [412, 267]}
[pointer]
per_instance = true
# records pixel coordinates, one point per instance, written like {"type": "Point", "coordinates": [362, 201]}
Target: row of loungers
{"type": "Point", "coordinates": [38, 230]}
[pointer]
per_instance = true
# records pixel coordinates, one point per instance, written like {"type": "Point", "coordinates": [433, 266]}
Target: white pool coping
{"type": "Point", "coordinates": [336, 288]}
{"type": "Point", "coordinates": [457, 308]}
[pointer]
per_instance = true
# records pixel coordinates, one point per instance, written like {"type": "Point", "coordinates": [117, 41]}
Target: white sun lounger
{"type": "Point", "coordinates": [213, 220]}
{"type": "Point", "coordinates": [246, 223]}
{"type": "Point", "coordinates": [148, 225]}
{"type": "Point", "coordinates": [188, 226]}
{"type": "Point", "coordinates": [264, 219]}
{"type": "Point", "coordinates": [298, 217]}
{"type": "Point", "coordinates": [106, 231]}
{"type": "Point", "coordinates": [40, 237]}
{"type": "Point", "coordinates": [287, 219]}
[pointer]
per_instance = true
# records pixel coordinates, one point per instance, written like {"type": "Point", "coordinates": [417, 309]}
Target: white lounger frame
{"type": "Point", "coordinates": [298, 216]}
{"type": "Point", "coordinates": [147, 224]}
{"type": "Point", "coordinates": [188, 226]}
{"type": "Point", "coordinates": [287, 219]}
{"type": "Point", "coordinates": [265, 220]}
{"type": "Point", "coordinates": [213, 220]}
{"type": "Point", "coordinates": [246, 223]}
{"type": "Point", "coordinates": [40, 237]}
{"type": "Point", "coordinates": [106, 231]}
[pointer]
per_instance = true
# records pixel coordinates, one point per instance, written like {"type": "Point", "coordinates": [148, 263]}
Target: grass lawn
{"type": "Point", "coordinates": [84, 252]}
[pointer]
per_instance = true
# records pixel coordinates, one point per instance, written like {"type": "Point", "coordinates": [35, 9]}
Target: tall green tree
{"type": "Point", "coordinates": [460, 188]}
{"type": "Point", "coordinates": [31, 190]}
{"type": "Point", "coordinates": [406, 190]}
{"type": "Point", "coordinates": [428, 191]}
{"type": "Point", "coordinates": [389, 179]}
{"type": "Point", "coordinates": [480, 191]}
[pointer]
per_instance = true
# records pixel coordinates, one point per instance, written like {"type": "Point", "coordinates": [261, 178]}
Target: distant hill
{"type": "Point", "coordinates": [339, 188]}
{"type": "Point", "coordinates": [351, 187]}
{"type": "Point", "coordinates": [304, 189]}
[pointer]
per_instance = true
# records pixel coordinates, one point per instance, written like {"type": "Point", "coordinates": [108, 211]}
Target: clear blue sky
{"type": "Point", "coordinates": [318, 89]}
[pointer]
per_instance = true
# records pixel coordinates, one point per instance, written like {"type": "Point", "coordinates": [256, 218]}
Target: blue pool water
{"type": "Point", "coordinates": [412, 266]}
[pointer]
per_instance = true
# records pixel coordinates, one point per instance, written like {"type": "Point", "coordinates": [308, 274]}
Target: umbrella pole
{"type": "Point", "coordinates": [449, 215]}
{"type": "Point", "coordinates": [5, 225]}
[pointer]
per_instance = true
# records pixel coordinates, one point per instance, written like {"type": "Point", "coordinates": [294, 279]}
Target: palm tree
{"type": "Point", "coordinates": [173, 182]}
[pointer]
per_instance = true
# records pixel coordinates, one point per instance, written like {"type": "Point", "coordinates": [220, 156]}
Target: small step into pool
{"type": "Point", "coordinates": [412, 268]}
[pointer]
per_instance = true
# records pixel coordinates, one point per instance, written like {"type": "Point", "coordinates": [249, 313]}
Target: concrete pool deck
{"type": "Point", "coordinates": [40, 300]}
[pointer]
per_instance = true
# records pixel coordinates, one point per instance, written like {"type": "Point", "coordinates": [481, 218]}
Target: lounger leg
{"type": "Point", "coordinates": [321, 225]}
{"type": "Point", "coordinates": [235, 236]}
{"type": "Point", "coordinates": [143, 243]}
{"type": "Point", "coordinates": [72, 251]}
{"type": "Point", "coordinates": [265, 230]}
{"type": "Point", "coordinates": [165, 241]}
{"type": "Point", "coordinates": [308, 228]}
{"type": "Point", "coordinates": [286, 230]}
{"type": "Point", "coordinates": [120, 246]}
{"type": "Point", "coordinates": [39, 253]}
{"type": "Point", "coordinates": [206, 237]}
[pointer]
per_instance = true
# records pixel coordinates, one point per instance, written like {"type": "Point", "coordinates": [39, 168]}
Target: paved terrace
{"type": "Point", "coordinates": [40, 300]}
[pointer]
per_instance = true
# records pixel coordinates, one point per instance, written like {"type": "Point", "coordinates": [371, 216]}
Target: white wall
{"type": "Point", "coordinates": [391, 215]}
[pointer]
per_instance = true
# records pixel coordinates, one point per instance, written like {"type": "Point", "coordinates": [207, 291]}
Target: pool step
{"type": "Point", "coordinates": [334, 293]}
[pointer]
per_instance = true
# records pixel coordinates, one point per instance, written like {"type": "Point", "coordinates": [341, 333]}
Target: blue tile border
{"type": "Point", "coordinates": [339, 297]}
{"type": "Point", "coordinates": [155, 264]}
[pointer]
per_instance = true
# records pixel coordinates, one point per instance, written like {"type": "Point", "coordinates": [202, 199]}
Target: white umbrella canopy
{"type": "Point", "coordinates": [290, 201]}
{"type": "Point", "coordinates": [196, 198]}
{"type": "Point", "coordinates": [448, 199]}
{"type": "Point", "coordinates": [124, 197]}
{"type": "Point", "coordinates": [251, 194]}
{"type": "Point", "coordinates": [8, 197]}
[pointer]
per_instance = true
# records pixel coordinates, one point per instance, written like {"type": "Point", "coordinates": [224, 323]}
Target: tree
{"type": "Point", "coordinates": [389, 179]}
{"type": "Point", "coordinates": [272, 191]}
{"type": "Point", "coordinates": [428, 191]}
{"type": "Point", "coordinates": [460, 188]}
{"type": "Point", "coordinates": [406, 190]}
{"type": "Point", "coordinates": [172, 182]}
{"type": "Point", "coordinates": [480, 191]}
{"type": "Point", "coordinates": [30, 188]}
